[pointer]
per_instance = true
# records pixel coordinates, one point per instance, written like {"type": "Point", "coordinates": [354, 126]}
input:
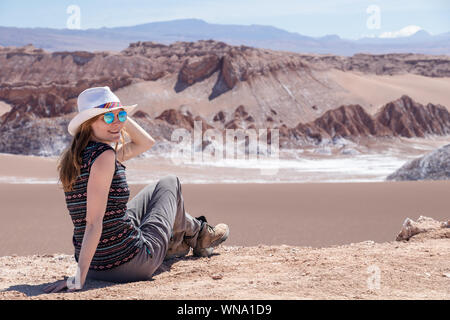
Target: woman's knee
{"type": "Point", "coordinates": [170, 178]}
{"type": "Point", "coordinates": [170, 181]}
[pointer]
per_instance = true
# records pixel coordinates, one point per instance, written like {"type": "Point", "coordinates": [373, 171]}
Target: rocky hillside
{"type": "Point", "coordinates": [391, 63]}
{"type": "Point", "coordinates": [234, 87]}
{"type": "Point", "coordinates": [432, 166]}
{"type": "Point", "coordinates": [47, 136]}
{"type": "Point", "coordinates": [402, 117]}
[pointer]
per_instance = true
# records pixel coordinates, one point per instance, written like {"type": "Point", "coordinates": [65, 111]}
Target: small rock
{"type": "Point", "coordinates": [217, 277]}
{"type": "Point", "coordinates": [409, 229]}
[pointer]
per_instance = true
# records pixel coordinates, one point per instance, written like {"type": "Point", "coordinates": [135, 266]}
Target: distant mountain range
{"type": "Point", "coordinates": [258, 36]}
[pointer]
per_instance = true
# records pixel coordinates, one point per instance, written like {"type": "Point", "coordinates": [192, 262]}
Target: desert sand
{"type": "Point", "coordinates": [373, 91]}
{"type": "Point", "coordinates": [35, 219]}
{"type": "Point", "coordinates": [287, 241]}
{"type": "Point", "coordinates": [4, 107]}
{"type": "Point", "coordinates": [413, 269]}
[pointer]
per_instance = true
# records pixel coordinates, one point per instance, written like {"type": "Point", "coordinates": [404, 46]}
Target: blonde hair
{"type": "Point", "coordinates": [69, 162]}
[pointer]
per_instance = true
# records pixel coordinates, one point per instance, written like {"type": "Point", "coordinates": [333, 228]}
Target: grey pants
{"type": "Point", "coordinates": [158, 211]}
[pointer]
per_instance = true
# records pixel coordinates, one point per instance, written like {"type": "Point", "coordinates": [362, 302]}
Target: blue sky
{"type": "Point", "coordinates": [346, 18]}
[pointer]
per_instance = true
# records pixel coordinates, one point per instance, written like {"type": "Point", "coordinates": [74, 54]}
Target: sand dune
{"type": "Point", "coordinates": [4, 107]}
{"type": "Point", "coordinates": [373, 91]}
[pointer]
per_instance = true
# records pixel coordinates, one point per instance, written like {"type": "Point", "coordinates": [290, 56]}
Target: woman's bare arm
{"type": "Point", "coordinates": [100, 178]}
{"type": "Point", "coordinates": [140, 142]}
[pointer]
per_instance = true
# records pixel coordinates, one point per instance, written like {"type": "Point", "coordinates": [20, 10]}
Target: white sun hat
{"type": "Point", "coordinates": [94, 101]}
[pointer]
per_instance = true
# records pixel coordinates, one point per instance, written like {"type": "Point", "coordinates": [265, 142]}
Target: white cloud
{"type": "Point", "coordinates": [404, 32]}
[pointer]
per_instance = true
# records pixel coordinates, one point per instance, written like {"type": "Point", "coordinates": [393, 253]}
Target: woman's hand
{"type": "Point", "coordinates": [58, 286]}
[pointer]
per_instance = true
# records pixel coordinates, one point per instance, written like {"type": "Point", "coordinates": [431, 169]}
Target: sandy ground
{"type": "Point", "coordinates": [414, 269]}
{"type": "Point", "coordinates": [287, 241]}
{"type": "Point", "coordinates": [35, 219]}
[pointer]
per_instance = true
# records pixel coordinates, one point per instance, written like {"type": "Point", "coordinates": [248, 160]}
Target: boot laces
{"type": "Point", "coordinates": [210, 228]}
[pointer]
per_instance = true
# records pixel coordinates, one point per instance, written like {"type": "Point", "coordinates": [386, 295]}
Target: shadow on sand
{"type": "Point", "coordinates": [35, 290]}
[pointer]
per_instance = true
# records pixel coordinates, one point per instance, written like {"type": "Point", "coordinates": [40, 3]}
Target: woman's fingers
{"type": "Point", "coordinates": [56, 287]}
{"type": "Point", "coordinates": [60, 286]}
{"type": "Point", "coordinates": [49, 288]}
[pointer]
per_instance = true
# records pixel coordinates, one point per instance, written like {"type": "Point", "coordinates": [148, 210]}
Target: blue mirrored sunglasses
{"type": "Point", "coordinates": [109, 116]}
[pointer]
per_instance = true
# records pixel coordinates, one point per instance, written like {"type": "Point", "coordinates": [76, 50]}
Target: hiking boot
{"type": "Point", "coordinates": [210, 237]}
{"type": "Point", "coordinates": [177, 252]}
